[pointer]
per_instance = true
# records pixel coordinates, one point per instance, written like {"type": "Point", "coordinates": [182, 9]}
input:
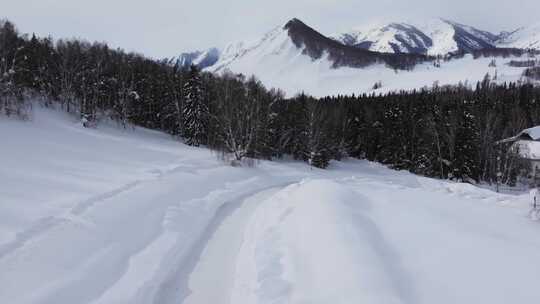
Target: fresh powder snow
{"type": "Point", "coordinates": [113, 215]}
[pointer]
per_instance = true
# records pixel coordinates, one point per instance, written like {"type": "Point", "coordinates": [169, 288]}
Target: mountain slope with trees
{"type": "Point", "coordinates": [446, 132]}
{"type": "Point", "coordinates": [297, 58]}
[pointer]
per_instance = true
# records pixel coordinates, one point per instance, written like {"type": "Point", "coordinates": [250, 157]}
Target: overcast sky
{"type": "Point", "coordinates": [165, 28]}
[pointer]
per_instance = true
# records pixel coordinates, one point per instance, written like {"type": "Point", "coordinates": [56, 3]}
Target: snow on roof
{"type": "Point", "coordinates": [525, 135]}
{"type": "Point", "coordinates": [533, 133]}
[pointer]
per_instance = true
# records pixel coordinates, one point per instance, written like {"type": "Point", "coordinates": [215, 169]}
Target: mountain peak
{"type": "Point", "coordinates": [432, 36]}
{"type": "Point", "coordinates": [527, 37]}
{"type": "Point", "coordinates": [202, 59]}
{"type": "Point", "coordinates": [295, 56]}
{"type": "Point", "coordinates": [293, 23]}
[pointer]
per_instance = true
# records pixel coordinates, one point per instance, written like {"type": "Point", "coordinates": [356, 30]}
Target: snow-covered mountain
{"type": "Point", "coordinates": [202, 59]}
{"type": "Point", "coordinates": [431, 37]}
{"type": "Point", "coordinates": [296, 44]}
{"type": "Point", "coordinates": [296, 58]}
{"type": "Point", "coordinates": [523, 38]}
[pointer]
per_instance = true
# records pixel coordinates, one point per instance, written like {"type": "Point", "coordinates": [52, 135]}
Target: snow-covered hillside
{"type": "Point", "coordinates": [525, 38]}
{"type": "Point", "coordinates": [109, 215]}
{"type": "Point", "coordinates": [202, 59]}
{"type": "Point", "coordinates": [280, 62]}
{"type": "Point", "coordinates": [391, 38]}
{"type": "Point", "coordinates": [433, 37]}
{"type": "Point", "coordinates": [272, 42]}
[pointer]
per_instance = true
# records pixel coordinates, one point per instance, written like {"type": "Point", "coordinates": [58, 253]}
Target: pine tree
{"type": "Point", "coordinates": [11, 60]}
{"type": "Point", "coordinates": [299, 122]}
{"type": "Point", "coordinates": [465, 161]}
{"type": "Point", "coordinates": [195, 111]}
{"type": "Point", "coordinates": [318, 143]}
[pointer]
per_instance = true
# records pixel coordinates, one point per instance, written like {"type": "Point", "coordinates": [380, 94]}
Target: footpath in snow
{"type": "Point", "coordinates": [131, 216]}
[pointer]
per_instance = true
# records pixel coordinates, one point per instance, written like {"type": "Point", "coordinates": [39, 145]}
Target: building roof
{"type": "Point", "coordinates": [531, 134]}
{"type": "Point", "coordinates": [526, 143]}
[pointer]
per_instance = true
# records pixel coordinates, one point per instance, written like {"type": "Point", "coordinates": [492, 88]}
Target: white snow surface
{"type": "Point", "coordinates": [440, 31]}
{"type": "Point", "coordinates": [527, 37]}
{"type": "Point", "coordinates": [383, 36]}
{"type": "Point", "coordinates": [109, 215]}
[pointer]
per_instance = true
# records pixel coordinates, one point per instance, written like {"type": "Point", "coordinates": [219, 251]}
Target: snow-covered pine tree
{"type": "Point", "coordinates": [195, 111]}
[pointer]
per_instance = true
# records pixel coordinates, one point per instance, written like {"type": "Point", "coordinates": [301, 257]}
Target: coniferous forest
{"type": "Point", "coordinates": [444, 132]}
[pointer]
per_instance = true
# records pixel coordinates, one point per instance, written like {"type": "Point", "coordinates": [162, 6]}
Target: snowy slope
{"type": "Point", "coordinates": [202, 59]}
{"type": "Point", "coordinates": [391, 38]}
{"type": "Point", "coordinates": [433, 37]}
{"type": "Point", "coordinates": [275, 49]}
{"type": "Point", "coordinates": [281, 63]}
{"type": "Point", "coordinates": [360, 240]}
{"type": "Point", "coordinates": [525, 38]}
{"type": "Point", "coordinates": [131, 216]}
{"type": "Point", "coordinates": [106, 215]}
{"type": "Point", "coordinates": [246, 53]}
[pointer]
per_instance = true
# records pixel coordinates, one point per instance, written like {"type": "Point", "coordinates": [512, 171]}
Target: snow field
{"type": "Point", "coordinates": [132, 216]}
{"type": "Point", "coordinates": [360, 240]}
{"type": "Point", "coordinates": [291, 256]}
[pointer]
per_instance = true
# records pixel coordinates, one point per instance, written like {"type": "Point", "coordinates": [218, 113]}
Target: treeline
{"type": "Point", "coordinates": [89, 79]}
{"type": "Point", "coordinates": [447, 132]}
{"type": "Point", "coordinates": [444, 132]}
{"type": "Point", "coordinates": [493, 52]}
{"type": "Point", "coordinates": [523, 63]}
{"type": "Point", "coordinates": [532, 73]}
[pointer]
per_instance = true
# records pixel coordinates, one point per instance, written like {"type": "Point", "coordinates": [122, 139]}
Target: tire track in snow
{"type": "Point", "coordinates": [147, 262]}
{"type": "Point", "coordinates": [399, 278]}
{"type": "Point", "coordinates": [38, 228]}
{"type": "Point", "coordinates": [214, 275]}
{"type": "Point", "coordinates": [45, 224]}
{"type": "Point", "coordinates": [316, 241]}
{"type": "Point", "coordinates": [175, 287]}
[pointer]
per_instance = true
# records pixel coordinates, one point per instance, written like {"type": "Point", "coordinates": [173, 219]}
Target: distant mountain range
{"type": "Point", "coordinates": [432, 37]}
{"type": "Point", "coordinates": [296, 57]}
{"type": "Point", "coordinates": [201, 59]}
{"type": "Point", "coordinates": [525, 38]}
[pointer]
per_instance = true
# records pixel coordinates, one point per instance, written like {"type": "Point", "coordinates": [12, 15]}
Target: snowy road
{"type": "Point", "coordinates": [147, 220]}
{"type": "Point", "coordinates": [213, 275]}
{"type": "Point", "coordinates": [360, 240]}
